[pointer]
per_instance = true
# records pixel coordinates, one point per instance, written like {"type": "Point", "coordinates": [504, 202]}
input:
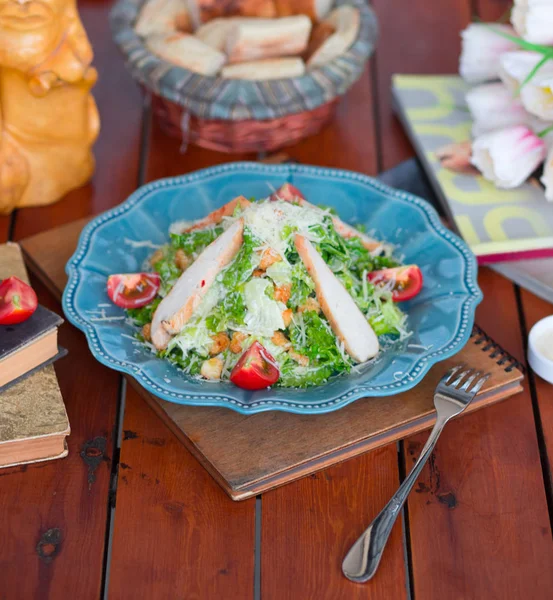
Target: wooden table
{"type": "Point", "coordinates": [131, 514]}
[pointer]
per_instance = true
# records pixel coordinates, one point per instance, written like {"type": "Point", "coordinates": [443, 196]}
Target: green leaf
{"type": "Point", "coordinates": [530, 75]}
{"type": "Point", "coordinates": [144, 315]}
{"type": "Point", "coordinates": [519, 41]}
{"type": "Point", "coordinates": [196, 241]}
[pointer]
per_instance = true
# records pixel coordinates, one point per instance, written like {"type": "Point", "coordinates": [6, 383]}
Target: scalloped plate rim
{"type": "Point", "coordinates": [420, 366]}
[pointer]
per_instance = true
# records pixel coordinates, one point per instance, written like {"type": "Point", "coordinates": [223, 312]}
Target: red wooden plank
{"type": "Point", "coordinates": [72, 494]}
{"type": "Point", "coordinates": [166, 157]}
{"type": "Point", "coordinates": [349, 141]}
{"type": "Point", "coordinates": [4, 227]}
{"type": "Point", "coordinates": [309, 525]}
{"type": "Point", "coordinates": [117, 147]}
{"type": "Point", "coordinates": [478, 521]}
{"type": "Point", "coordinates": [418, 37]}
{"type": "Point", "coordinates": [177, 534]}
{"type": "Point", "coordinates": [492, 10]}
{"type": "Point", "coordinates": [66, 498]}
{"type": "Point", "coordinates": [534, 309]}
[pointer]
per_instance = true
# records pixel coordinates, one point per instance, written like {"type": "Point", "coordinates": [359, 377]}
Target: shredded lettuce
{"type": "Point", "coordinates": [196, 241]}
{"type": "Point", "coordinates": [302, 286]}
{"type": "Point", "coordinates": [238, 301]}
{"type": "Point", "coordinates": [314, 338]}
{"type": "Point", "coordinates": [389, 320]}
{"type": "Point", "coordinates": [144, 315]}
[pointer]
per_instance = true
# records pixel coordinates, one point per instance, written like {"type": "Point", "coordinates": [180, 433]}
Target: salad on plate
{"type": "Point", "coordinates": [273, 292]}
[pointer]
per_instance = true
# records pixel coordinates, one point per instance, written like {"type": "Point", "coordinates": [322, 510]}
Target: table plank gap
{"type": "Point", "coordinates": [258, 542]}
{"type": "Point", "coordinates": [373, 82]}
{"type": "Point", "coordinates": [406, 529]}
{"type": "Point", "coordinates": [491, 10]}
{"type": "Point", "coordinates": [7, 225]}
{"type": "Point", "coordinates": [114, 482]}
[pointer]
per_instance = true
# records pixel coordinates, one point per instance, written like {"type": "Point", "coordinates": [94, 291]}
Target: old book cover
{"type": "Point", "coordinates": [34, 422]}
{"type": "Point", "coordinates": [28, 346]}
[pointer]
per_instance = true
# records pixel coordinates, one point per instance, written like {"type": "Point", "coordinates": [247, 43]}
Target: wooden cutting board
{"type": "Point", "coordinates": [250, 454]}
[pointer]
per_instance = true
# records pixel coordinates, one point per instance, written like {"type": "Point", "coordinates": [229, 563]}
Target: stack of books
{"type": "Point", "coordinates": [33, 420]}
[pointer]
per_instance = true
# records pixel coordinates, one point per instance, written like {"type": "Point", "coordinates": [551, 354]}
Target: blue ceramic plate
{"type": "Point", "coordinates": [119, 241]}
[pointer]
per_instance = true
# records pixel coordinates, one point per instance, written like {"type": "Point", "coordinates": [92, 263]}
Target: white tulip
{"type": "Point", "coordinates": [515, 66]}
{"type": "Point", "coordinates": [509, 156]}
{"type": "Point", "coordinates": [481, 49]}
{"type": "Point", "coordinates": [547, 177]}
{"type": "Point", "coordinates": [534, 22]}
{"type": "Point", "coordinates": [492, 107]}
{"type": "Point", "coordinates": [525, 3]}
{"type": "Point", "coordinates": [537, 96]}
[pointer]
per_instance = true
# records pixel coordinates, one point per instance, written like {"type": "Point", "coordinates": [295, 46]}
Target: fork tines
{"type": "Point", "coordinates": [465, 379]}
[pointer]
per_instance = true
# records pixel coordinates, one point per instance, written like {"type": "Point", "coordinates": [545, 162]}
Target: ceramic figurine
{"type": "Point", "coordinates": [48, 118]}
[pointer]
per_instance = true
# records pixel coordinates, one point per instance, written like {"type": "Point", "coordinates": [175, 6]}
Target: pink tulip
{"type": "Point", "coordinates": [481, 49]}
{"type": "Point", "coordinates": [509, 156]}
{"type": "Point", "coordinates": [492, 107]}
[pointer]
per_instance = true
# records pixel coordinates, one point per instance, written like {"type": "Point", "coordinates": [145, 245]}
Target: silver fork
{"type": "Point", "coordinates": [453, 394]}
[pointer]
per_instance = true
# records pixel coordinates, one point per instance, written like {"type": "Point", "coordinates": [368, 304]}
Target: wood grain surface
{"type": "Point", "coordinates": [177, 534]}
{"type": "Point", "coordinates": [415, 37]}
{"type": "Point", "coordinates": [478, 525]}
{"type": "Point", "coordinates": [480, 502]}
{"type": "Point", "coordinates": [53, 517]}
{"type": "Point", "coordinates": [308, 526]}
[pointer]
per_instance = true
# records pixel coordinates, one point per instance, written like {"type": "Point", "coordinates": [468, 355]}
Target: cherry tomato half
{"type": "Point", "coordinates": [133, 290]}
{"type": "Point", "coordinates": [288, 193]}
{"type": "Point", "coordinates": [408, 281]}
{"type": "Point", "coordinates": [256, 369]}
{"type": "Point", "coordinates": [18, 301]}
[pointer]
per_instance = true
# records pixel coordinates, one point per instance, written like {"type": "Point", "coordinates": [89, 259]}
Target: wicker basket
{"type": "Point", "coordinates": [236, 115]}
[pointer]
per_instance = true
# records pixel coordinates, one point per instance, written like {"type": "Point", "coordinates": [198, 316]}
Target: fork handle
{"type": "Point", "coordinates": [362, 561]}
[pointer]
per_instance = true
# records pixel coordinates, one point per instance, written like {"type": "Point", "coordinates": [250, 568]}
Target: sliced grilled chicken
{"type": "Point", "coordinates": [347, 231]}
{"type": "Point", "coordinates": [180, 303]}
{"type": "Point", "coordinates": [215, 217]}
{"type": "Point", "coordinates": [290, 193]}
{"type": "Point", "coordinates": [348, 323]}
